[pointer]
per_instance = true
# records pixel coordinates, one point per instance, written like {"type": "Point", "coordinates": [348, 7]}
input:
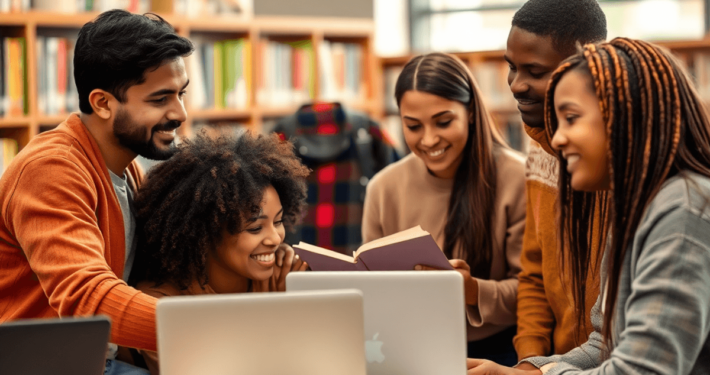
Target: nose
{"type": "Point", "coordinates": [517, 84]}
{"type": "Point", "coordinates": [273, 237]}
{"type": "Point", "coordinates": [559, 140]}
{"type": "Point", "coordinates": [178, 112]}
{"type": "Point", "coordinates": [430, 138]}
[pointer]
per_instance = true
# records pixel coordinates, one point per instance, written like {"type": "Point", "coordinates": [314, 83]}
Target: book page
{"type": "Point", "coordinates": [329, 253]}
{"type": "Point", "coordinates": [393, 238]}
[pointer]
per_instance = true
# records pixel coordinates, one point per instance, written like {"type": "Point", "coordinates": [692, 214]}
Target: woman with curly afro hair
{"type": "Point", "coordinates": [212, 218]}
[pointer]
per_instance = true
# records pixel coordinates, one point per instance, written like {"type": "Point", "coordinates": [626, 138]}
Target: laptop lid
{"type": "Point", "coordinates": [307, 333]}
{"type": "Point", "coordinates": [414, 321]}
{"type": "Point", "coordinates": [75, 346]}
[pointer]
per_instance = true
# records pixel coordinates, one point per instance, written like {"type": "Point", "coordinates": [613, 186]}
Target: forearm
{"type": "Point", "coordinates": [496, 303]}
{"type": "Point", "coordinates": [132, 313]}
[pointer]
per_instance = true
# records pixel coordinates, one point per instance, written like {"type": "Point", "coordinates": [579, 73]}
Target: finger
{"type": "Point", "coordinates": [288, 258]}
{"type": "Point", "coordinates": [280, 254]}
{"type": "Point", "coordinates": [421, 267]}
{"type": "Point", "coordinates": [297, 261]}
{"type": "Point", "coordinates": [474, 362]}
{"type": "Point", "coordinates": [304, 267]}
{"type": "Point", "coordinates": [459, 264]}
{"type": "Point", "coordinates": [288, 261]}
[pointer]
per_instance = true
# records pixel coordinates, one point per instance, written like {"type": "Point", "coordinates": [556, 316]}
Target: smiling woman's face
{"type": "Point", "coordinates": [251, 253]}
{"type": "Point", "coordinates": [581, 133]}
{"type": "Point", "coordinates": [436, 130]}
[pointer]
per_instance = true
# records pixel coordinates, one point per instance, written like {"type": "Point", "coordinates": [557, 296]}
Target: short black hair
{"type": "Point", "coordinates": [568, 22]}
{"type": "Point", "coordinates": [210, 185]}
{"type": "Point", "coordinates": [114, 51]}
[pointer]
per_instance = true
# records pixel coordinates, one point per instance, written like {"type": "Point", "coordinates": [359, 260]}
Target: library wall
{"type": "Point", "coordinates": [247, 71]}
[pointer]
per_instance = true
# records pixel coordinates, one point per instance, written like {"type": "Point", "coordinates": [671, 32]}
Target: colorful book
{"type": "Point", "coordinates": [398, 252]}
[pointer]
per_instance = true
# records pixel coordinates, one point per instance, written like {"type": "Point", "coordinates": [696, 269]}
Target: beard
{"type": "Point", "coordinates": [133, 136]}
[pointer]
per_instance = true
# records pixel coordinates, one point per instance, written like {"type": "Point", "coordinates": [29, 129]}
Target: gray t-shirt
{"type": "Point", "coordinates": [125, 199]}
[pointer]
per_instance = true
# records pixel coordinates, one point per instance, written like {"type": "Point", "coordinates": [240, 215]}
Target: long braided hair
{"type": "Point", "coordinates": [210, 185]}
{"type": "Point", "coordinates": [657, 127]}
{"type": "Point", "coordinates": [471, 206]}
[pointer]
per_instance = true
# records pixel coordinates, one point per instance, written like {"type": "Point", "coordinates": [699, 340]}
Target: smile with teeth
{"type": "Point", "coordinates": [266, 258]}
{"type": "Point", "coordinates": [436, 153]}
{"type": "Point", "coordinates": [526, 102]}
{"type": "Point", "coordinates": [168, 132]}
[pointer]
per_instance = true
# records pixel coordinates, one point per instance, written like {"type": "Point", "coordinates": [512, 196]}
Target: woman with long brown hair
{"type": "Point", "coordinates": [633, 136]}
{"type": "Point", "coordinates": [463, 185]}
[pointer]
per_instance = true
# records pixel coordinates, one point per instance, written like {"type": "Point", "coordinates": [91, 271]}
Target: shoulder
{"type": "Point", "coordinates": [510, 163]}
{"type": "Point", "coordinates": [394, 175]}
{"type": "Point", "coordinates": [680, 208]}
{"type": "Point", "coordinates": [510, 169]}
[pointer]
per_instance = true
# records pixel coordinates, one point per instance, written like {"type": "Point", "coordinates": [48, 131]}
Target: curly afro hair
{"type": "Point", "coordinates": [568, 22]}
{"type": "Point", "coordinates": [207, 186]}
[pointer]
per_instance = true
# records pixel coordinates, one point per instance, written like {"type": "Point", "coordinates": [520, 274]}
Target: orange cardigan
{"type": "Point", "coordinates": [61, 237]}
{"type": "Point", "coordinates": [547, 320]}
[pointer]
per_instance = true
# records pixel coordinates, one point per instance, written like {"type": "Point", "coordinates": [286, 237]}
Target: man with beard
{"type": "Point", "coordinates": [66, 227]}
{"type": "Point", "coordinates": [543, 34]}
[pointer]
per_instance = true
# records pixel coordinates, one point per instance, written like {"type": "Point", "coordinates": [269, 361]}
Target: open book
{"type": "Point", "coordinates": [397, 252]}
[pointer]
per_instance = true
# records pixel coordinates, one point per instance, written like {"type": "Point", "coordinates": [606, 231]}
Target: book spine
{"type": "Point", "coordinates": [61, 75]}
{"type": "Point", "coordinates": [3, 76]}
{"type": "Point", "coordinates": [218, 75]}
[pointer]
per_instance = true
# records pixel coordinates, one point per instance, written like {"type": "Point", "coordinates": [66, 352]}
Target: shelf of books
{"type": "Point", "coordinates": [245, 70]}
{"type": "Point", "coordinates": [491, 73]}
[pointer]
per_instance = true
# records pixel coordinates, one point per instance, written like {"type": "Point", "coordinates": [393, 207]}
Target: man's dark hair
{"type": "Point", "coordinates": [566, 21]}
{"type": "Point", "coordinates": [210, 185]}
{"type": "Point", "coordinates": [114, 51]}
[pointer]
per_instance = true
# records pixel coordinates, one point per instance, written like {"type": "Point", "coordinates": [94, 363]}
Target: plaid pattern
{"type": "Point", "coordinates": [336, 186]}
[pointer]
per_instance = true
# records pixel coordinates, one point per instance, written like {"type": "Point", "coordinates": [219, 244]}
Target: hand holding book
{"type": "Point", "coordinates": [470, 285]}
{"type": "Point", "coordinates": [398, 252]}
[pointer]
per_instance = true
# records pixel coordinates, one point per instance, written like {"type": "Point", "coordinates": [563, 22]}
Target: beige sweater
{"type": "Point", "coordinates": [405, 194]}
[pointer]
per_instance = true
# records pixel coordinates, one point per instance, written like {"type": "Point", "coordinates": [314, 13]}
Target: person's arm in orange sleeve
{"type": "Point", "coordinates": [536, 320]}
{"type": "Point", "coordinates": [51, 214]}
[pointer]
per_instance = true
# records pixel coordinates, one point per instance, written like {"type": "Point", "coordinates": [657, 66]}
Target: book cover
{"type": "Point", "coordinates": [398, 252]}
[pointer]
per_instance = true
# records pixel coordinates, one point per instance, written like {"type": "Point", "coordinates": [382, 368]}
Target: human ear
{"type": "Point", "coordinates": [100, 101]}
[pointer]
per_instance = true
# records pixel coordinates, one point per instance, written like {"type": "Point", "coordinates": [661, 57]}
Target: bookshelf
{"type": "Point", "coordinates": [491, 71]}
{"type": "Point", "coordinates": [35, 25]}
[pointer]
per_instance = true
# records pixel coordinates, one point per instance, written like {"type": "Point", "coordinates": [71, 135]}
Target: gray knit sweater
{"type": "Point", "coordinates": [662, 317]}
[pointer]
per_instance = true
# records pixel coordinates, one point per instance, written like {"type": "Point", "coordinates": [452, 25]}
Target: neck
{"type": "Point", "coordinates": [116, 156]}
{"type": "Point", "coordinates": [223, 280]}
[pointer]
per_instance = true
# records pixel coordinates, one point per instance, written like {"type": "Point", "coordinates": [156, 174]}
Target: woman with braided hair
{"type": "Point", "coordinates": [213, 218]}
{"type": "Point", "coordinates": [632, 136]}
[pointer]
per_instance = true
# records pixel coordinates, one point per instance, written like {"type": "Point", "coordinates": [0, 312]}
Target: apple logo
{"type": "Point", "coordinates": [373, 350]}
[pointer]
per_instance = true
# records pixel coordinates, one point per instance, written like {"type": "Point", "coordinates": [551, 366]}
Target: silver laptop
{"type": "Point", "coordinates": [307, 333]}
{"type": "Point", "coordinates": [74, 346]}
{"type": "Point", "coordinates": [414, 321]}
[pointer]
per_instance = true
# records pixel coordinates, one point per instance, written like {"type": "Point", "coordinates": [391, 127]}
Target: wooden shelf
{"type": "Point", "coordinates": [316, 29]}
{"type": "Point", "coordinates": [219, 114]}
{"type": "Point", "coordinates": [13, 122]}
{"type": "Point", "coordinates": [48, 120]}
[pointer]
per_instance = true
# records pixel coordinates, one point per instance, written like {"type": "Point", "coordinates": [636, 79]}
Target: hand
{"type": "Point", "coordinates": [485, 367]}
{"type": "Point", "coordinates": [470, 284]}
{"type": "Point", "coordinates": [286, 261]}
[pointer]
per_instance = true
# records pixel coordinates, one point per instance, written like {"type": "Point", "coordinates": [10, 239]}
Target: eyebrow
{"type": "Point", "coordinates": [434, 116]}
{"type": "Point", "coordinates": [527, 66]}
{"type": "Point", "coordinates": [566, 105]}
{"type": "Point", "coordinates": [168, 91]}
{"type": "Point", "coordinates": [262, 216]}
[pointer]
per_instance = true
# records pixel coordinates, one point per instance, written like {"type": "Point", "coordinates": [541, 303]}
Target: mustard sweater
{"type": "Point", "coordinates": [547, 321]}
